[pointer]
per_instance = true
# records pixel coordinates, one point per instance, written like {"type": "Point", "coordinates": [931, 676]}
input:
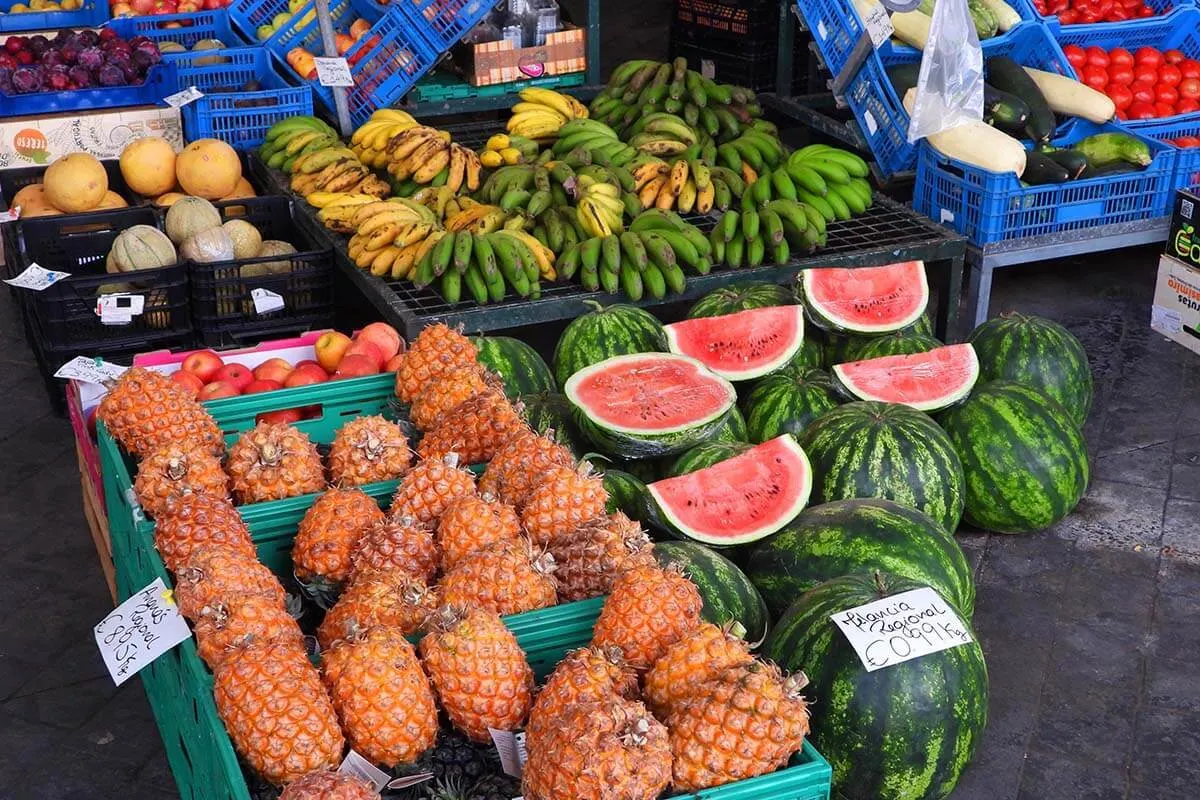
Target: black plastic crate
{"type": "Point", "coordinates": [66, 312]}
{"type": "Point", "coordinates": [13, 180]}
{"type": "Point", "coordinates": [222, 303]}
{"type": "Point", "coordinates": [752, 67]}
{"type": "Point", "coordinates": [727, 23]}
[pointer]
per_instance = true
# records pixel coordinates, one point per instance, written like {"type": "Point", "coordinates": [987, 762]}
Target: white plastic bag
{"type": "Point", "coordinates": [950, 87]}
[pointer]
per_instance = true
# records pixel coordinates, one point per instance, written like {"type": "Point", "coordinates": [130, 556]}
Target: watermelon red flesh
{"type": "Point", "coordinates": [925, 381]}
{"type": "Point", "coordinates": [650, 393]}
{"type": "Point", "coordinates": [741, 346]}
{"type": "Point", "coordinates": [741, 499]}
{"type": "Point", "coordinates": [868, 299]}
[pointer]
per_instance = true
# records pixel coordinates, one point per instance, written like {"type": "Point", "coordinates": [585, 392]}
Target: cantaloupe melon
{"type": "Point", "coordinates": [75, 183]}
{"type": "Point", "coordinates": [148, 166]}
{"type": "Point", "coordinates": [188, 216]}
{"type": "Point", "coordinates": [208, 168]}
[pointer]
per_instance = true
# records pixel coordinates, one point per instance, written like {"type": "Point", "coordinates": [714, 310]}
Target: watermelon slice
{"type": "Point", "coordinates": [741, 346]}
{"type": "Point", "coordinates": [927, 381]}
{"type": "Point", "coordinates": [868, 300]}
{"type": "Point", "coordinates": [739, 500]}
{"type": "Point", "coordinates": [648, 405]}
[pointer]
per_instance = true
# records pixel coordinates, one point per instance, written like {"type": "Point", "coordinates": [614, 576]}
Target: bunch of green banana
{"type": "Point", "coordinates": [586, 141]}
{"type": "Point", "coordinates": [774, 230]}
{"type": "Point", "coordinates": [600, 211]}
{"type": "Point", "coordinates": [558, 228]}
{"type": "Point", "coordinates": [760, 149]}
{"type": "Point", "coordinates": [826, 184]}
{"type": "Point", "coordinates": [485, 266]}
{"type": "Point", "coordinates": [647, 259]}
{"type": "Point", "coordinates": [528, 188]}
{"type": "Point", "coordinates": [662, 134]}
{"type": "Point", "coordinates": [290, 138]}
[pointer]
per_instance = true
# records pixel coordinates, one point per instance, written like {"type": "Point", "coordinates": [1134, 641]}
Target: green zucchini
{"type": "Point", "coordinates": [1008, 76]}
{"type": "Point", "coordinates": [1074, 162]}
{"type": "Point", "coordinates": [1004, 111]}
{"type": "Point", "coordinates": [986, 25]}
{"type": "Point", "coordinates": [1111, 168]}
{"type": "Point", "coordinates": [1040, 169]}
{"type": "Point", "coordinates": [904, 77]}
{"type": "Point", "coordinates": [1106, 148]}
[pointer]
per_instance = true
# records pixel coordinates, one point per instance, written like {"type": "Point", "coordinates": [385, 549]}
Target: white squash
{"type": "Point", "coordinates": [1072, 98]}
{"type": "Point", "coordinates": [976, 143]}
{"type": "Point", "coordinates": [912, 28]}
{"type": "Point", "coordinates": [1006, 17]}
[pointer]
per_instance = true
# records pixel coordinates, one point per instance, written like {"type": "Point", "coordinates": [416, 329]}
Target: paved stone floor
{"type": "Point", "coordinates": [1090, 628]}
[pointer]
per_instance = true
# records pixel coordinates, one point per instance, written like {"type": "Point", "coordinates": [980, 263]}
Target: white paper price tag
{"type": "Point", "coordinates": [333, 72]}
{"type": "Point", "coordinates": [902, 627]}
{"type": "Point", "coordinates": [11, 215]}
{"type": "Point", "coordinates": [708, 68]}
{"type": "Point", "coordinates": [119, 309]}
{"type": "Point", "coordinates": [358, 766]}
{"type": "Point", "coordinates": [879, 25]}
{"type": "Point", "coordinates": [37, 278]}
{"type": "Point", "coordinates": [266, 301]}
{"type": "Point", "coordinates": [140, 630]}
{"type": "Point", "coordinates": [181, 99]}
{"type": "Point", "coordinates": [511, 747]}
{"type": "Point", "coordinates": [90, 370]}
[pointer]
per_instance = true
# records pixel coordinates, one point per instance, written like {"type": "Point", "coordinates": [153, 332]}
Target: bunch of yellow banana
{"type": "Point", "coordinates": [371, 139]}
{"type": "Point", "coordinates": [600, 211]}
{"type": "Point", "coordinates": [427, 156]}
{"type": "Point", "coordinates": [391, 235]}
{"type": "Point", "coordinates": [685, 185]}
{"type": "Point", "coordinates": [508, 149]}
{"type": "Point", "coordinates": [459, 213]}
{"type": "Point", "coordinates": [337, 208]}
{"type": "Point", "coordinates": [542, 112]}
{"type": "Point", "coordinates": [335, 170]}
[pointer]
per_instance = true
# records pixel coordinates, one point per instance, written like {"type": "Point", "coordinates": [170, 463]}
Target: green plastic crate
{"type": "Point", "coordinates": [443, 88]}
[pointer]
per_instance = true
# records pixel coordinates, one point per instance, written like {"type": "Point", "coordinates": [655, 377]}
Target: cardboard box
{"type": "Point", "coordinates": [500, 62]}
{"type": "Point", "coordinates": [1176, 310]}
{"type": "Point", "coordinates": [32, 141]}
{"type": "Point", "coordinates": [1184, 241]}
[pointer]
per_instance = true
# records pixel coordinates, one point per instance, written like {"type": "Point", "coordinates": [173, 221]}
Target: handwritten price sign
{"type": "Point", "coordinates": [902, 627]}
{"type": "Point", "coordinates": [140, 630]}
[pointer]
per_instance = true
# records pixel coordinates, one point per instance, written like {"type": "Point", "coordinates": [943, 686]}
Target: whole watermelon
{"type": "Point", "coordinates": [904, 732]}
{"type": "Point", "coordinates": [742, 296]}
{"type": "Point", "coordinates": [842, 348]}
{"type": "Point", "coordinates": [733, 429]}
{"type": "Point", "coordinates": [1024, 458]}
{"type": "Point", "coordinates": [626, 493]}
{"type": "Point", "coordinates": [618, 330]}
{"type": "Point", "coordinates": [788, 402]}
{"type": "Point", "coordinates": [859, 536]}
{"type": "Point", "coordinates": [728, 594]}
{"type": "Point", "coordinates": [549, 411]}
{"type": "Point", "coordinates": [900, 343]}
{"type": "Point", "coordinates": [1037, 353]}
{"type": "Point", "coordinates": [871, 449]}
{"type": "Point", "coordinates": [705, 455]}
{"type": "Point", "coordinates": [519, 365]}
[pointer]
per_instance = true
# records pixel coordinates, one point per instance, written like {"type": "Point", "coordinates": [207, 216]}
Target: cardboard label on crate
{"type": "Point", "coordinates": [333, 72]}
{"type": "Point", "coordinates": [140, 630]}
{"type": "Point", "coordinates": [869, 121]}
{"type": "Point", "coordinates": [708, 68]}
{"type": "Point", "coordinates": [1166, 320]}
{"type": "Point", "coordinates": [878, 25]}
{"type": "Point", "coordinates": [90, 370]}
{"type": "Point", "coordinates": [266, 301]}
{"type": "Point", "coordinates": [902, 627]}
{"type": "Point", "coordinates": [37, 278]}
{"type": "Point", "coordinates": [119, 309]}
{"type": "Point", "coordinates": [181, 99]}
{"type": "Point", "coordinates": [511, 747]}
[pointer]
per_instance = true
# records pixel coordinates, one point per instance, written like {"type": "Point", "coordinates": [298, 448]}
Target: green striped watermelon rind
{"type": "Point", "coordinates": [900, 343]}
{"type": "Point", "coordinates": [705, 455]}
{"type": "Point", "coordinates": [728, 594]}
{"type": "Point", "coordinates": [617, 330]}
{"type": "Point", "coordinates": [698, 338]}
{"type": "Point", "coordinates": [626, 493]}
{"type": "Point", "coordinates": [734, 429]}
{"type": "Point", "coordinates": [847, 385]}
{"type": "Point", "coordinates": [519, 365]}
{"type": "Point", "coordinates": [828, 318]}
{"type": "Point", "coordinates": [550, 411]}
{"type": "Point", "coordinates": [900, 733]}
{"type": "Point", "coordinates": [788, 402]}
{"type": "Point", "coordinates": [741, 296]}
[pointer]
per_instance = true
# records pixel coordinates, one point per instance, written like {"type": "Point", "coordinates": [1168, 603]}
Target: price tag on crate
{"type": "Point", "coordinates": [11, 215]}
{"type": "Point", "coordinates": [140, 630]}
{"type": "Point", "coordinates": [511, 747]}
{"type": "Point", "coordinates": [333, 72]}
{"type": "Point", "coordinates": [181, 99]}
{"type": "Point", "coordinates": [266, 301]}
{"type": "Point", "coordinates": [358, 766]}
{"type": "Point", "coordinates": [90, 370]}
{"type": "Point", "coordinates": [37, 278]}
{"type": "Point", "coordinates": [879, 25]}
{"type": "Point", "coordinates": [119, 309]}
{"type": "Point", "coordinates": [902, 627]}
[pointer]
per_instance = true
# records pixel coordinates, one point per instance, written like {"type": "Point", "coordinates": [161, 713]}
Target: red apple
{"type": "Point", "coordinates": [261, 385]}
{"type": "Point", "coordinates": [236, 374]}
{"type": "Point", "coordinates": [355, 366]}
{"type": "Point", "coordinates": [273, 369]}
{"type": "Point", "coordinates": [361, 347]}
{"type": "Point", "coordinates": [330, 348]}
{"type": "Point", "coordinates": [203, 364]}
{"type": "Point", "coordinates": [393, 364]}
{"type": "Point", "coordinates": [285, 416]}
{"type": "Point", "coordinates": [306, 375]}
{"type": "Point", "coordinates": [189, 381]}
{"type": "Point", "coordinates": [217, 390]}
{"type": "Point", "coordinates": [308, 362]}
{"type": "Point", "coordinates": [384, 337]}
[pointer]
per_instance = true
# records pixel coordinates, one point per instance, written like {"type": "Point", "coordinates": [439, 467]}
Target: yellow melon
{"type": "Point", "coordinates": [167, 200]}
{"type": "Point", "coordinates": [33, 202]}
{"type": "Point", "coordinates": [208, 168]}
{"type": "Point", "coordinates": [148, 166]}
{"type": "Point", "coordinates": [76, 182]}
{"type": "Point", "coordinates": [112, 200]}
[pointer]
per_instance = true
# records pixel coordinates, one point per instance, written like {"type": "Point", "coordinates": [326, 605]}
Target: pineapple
{"type": "Point", "coordinates": [479, 672]}
{"type": "Point", "coordinates": [650, 608]}
{"type": "Point", "coordinates": [327, 785]}
{"type": "Point", "coordinates": [436, 351]}
{"type": "Point", "coordinates": [563, 500]}
{"type": "Point", "coordinates": [746, 722]}
{"type": "Point", "coordinates": [213, 574]}
{"type": "Point", "coordinates": [591, 557]}
{"type": "Point", "coordinates": [447, 393]}
{"type": "Point", "coordinates": [586, 675]}
{"type": "Point", "coordinates": [274, 461]}
{"type": "Point", "coordinates": [328, 534]}
{"type": "Point", "coordinates": [368, 450]}
{"type": "Point", "coordinates": [695, 659]}
{"type": "Point", "coordinates": [381, 695]}
{"type": "Point", "coordinates": [471, 523]}
{"type": "Point", "coordinates": [196, 520]}
{"type": "Point", "coordinates": [476, 430]}
{"type": "Point", "coordinates": [276, 711]}
{"type": "Point", "coordinates": [430, 487]}
{"type": "Point", "coordinates": [402, 545]}
{"type": "Point", "coordinates": [175, 470]}
{"type": "Point", "coordinates": [517, 466]}
{"type": "Point", "coordinates": [504, 577]}
{"type": "Point", "coordinates": [601, 750]}
{"type": "Point", "coordinates": [145, 410]}
{"type": "Point", "coordinates": [240, 620]}
{"type": "Point", "coordinates": [386, 598]}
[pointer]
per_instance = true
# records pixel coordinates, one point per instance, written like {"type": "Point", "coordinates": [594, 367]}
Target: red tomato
{"type": "Point", "coordinates": [1120, 56]}
{"type": "Point", "coordinates": [1075, 55]}
{"type": "Point", "coordinates": [1141, 110]}
{"type": "Point", "coordinates": [1121, 96]}
{"type": "Point", "coordinates": [1118, 15]}
{"type": "Point", "coordinates": [1169, 74]}
{"type": "Point", "coordinates": [1089, 15]}
{"type": "Point", "coordinates": [1095, 77]}
{"type": "Point", "coordinates": [1143, 93]}
{"type": "Point", "coordinates": [1146, 11]}
{"type": "Point", "coordinates": [1187, 105]}
{"type": "Point", "coordinates": [1144, 73]}
{"type": "Point", "coordinates": [1165, 94]}
{"type": "Point", "coordinates": [1120, 75]}
{"type": "Point", "coordinates": [1149, 57]}
{"type": "Point", "coordinates": [1069, 17]}
{"type": "Point", "coordinates": [1104, 8]}
{"type": "Point", "coordinates": [1174, 57]}
{"type": "Point", "coordinates": [1164, 110]}
{"type": "Point", "coordinates": [1121, 115]}
{"type": "Point", "coordinates": [1190, 68]}
{"type": "Point", "coordinates": [1188, 141]}
{"type": "Point", "coordinates": [1097, 57]}
{"type": "Point", "coordinates": [1189, 87]}
{"type": "Point", "coordinates": [1130, 5]}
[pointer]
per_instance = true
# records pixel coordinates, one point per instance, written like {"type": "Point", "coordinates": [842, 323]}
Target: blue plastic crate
{"type": "Point", "coordinates": [835, 28]}
{"type": "Point", "coordinates": [1161, 7]}
{"type": "Point", "coordinates": [184, 29]}
{"type": "Point", "coordinates": [92, 15]}
{"type": "Point", "coordinates": [299, 29]}
{"type": "Point", "coordinates": [150, 92]}
{"type": "Point", "coordinates": [991, 207]}
{"type": "Point", "coordinates": [239, 118]}
{"type": "Point", "coordinates": [444, 22]}
{"type": "Point", "coordinates": [1187, 159]}
{"type": "Point", "coordinates": [396, 59]}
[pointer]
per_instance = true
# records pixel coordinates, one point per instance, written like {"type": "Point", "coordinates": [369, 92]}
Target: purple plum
{"type": "Point", "coordinates": [141, 60]}
{"type": "Point", "coordinates": [69, 53]}
{"type": "Point", "coordinates": [52, 58]}
{"type": "Point", "coordinates": [137, 41]}
{"type": "Point", "coordinates": [81, 77]}
{"type": "Point", "coordinates": [151, 50]}
{"type": "Point", "coordinates": [38, 44]}
{"type": "Point", "coordinates": [120, 58]}
{"type": "Point", "coordinates": [131, 73]}
{"type": "Point", "coordinates": [27, 79]}
{"type": "Point", "coordinates": [88, 38]}
{"type": "Point", "coordinates": [6, 80]}
{"type": "Point", "coordinates": [111, 75]}
{"type": "Point", "coordinates": [91, 57]}
{"type": "Point", "coordinates": [58, 78]}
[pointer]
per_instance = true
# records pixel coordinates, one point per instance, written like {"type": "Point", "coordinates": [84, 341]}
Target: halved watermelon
{"type": "Point", "coordinates": [868, 299]}
{"type": "Point", "coordinates": [741, 346]}
{"type": "Point", "coordinates": [648, 405]}
{"type": "Point", "coordinates": [927, 381]}
{"type": "Point", "coordinates": [739, 500]}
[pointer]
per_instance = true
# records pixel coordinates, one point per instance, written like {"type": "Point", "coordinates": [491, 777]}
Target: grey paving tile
{"type": "Point", "coordinates": [1116, 516]}
{"type": "Point", "coordinates": [1141, 466]}
{"type": "Point", "coordinates": [1038, 563]}
{"type": "Point", "coordinates": [1176, 632]}
{"type": "Point", "coordinates": [1172, 685]}
{"type": "Point", "coordinates": [1181, 529]}
{"type": "Point", "coordinates": [122, 730]}
{"type": "Point", "coordinates": [994, 773]}
{"type": "Point", "coordinates": [1064, 779]}
{"type": "Point", "coordinates": [156, 772]}
{"type": "Point", "coordinates": [1185, 468]}
{"type": "Point", "coordinates": [1179, 575]}
{"type": "Point", "coordinates": [1077, 721]}
{"type": "Point", "coordinates": [68, 706]}
{"type": "Point", "coordinates": [1113, 590]}
{"type": "Point", "coordinates": [1097, 659]}
{"type": "Point", "coordinates": [22, 743]}
{"type": "Point", "coordinates": [1167, 750]}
